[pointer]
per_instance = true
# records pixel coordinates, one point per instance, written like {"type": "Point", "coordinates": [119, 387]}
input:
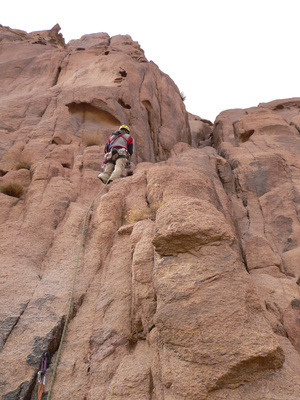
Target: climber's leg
{"type": "Point", "coordinates": [120, 165]}
{"type": "Point", "coordinates": [109, 167]}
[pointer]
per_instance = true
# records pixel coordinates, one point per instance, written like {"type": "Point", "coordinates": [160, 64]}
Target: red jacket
{"type": "Point", "coordinates": [120, 139]}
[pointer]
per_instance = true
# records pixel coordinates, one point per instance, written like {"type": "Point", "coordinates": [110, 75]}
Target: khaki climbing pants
{"type": "Point", "coordinates": [113, 170]}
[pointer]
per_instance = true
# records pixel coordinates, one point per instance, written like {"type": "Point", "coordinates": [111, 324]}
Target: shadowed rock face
{"type": "Point", "coordinates": [187, 282]}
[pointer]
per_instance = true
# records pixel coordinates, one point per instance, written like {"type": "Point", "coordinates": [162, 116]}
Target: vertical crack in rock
{"type": "Point", "coordinates": [23, 392]}
{"type": "Point", "coordinates": [49, 344]}
{"type": "Point", "coordinates": [151, 385]}
{"type": "Point", "coordinates": [154, 135]}
{"type": "Point", "coordinates": [56, 76]}
{"type": "Point", "coordinates": [7, 326]}
{"type": "Point", "coordinates": [43, 111]}
{"type": "Point", "coordinates": [296, 196]}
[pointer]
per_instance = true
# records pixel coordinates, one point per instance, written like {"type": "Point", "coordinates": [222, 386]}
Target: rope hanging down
{"type": "Point", "coordinates": [71, 294]}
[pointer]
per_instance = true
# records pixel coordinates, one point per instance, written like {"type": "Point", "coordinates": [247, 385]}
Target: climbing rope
{"type": "Point", "coordinates": [71, 296]}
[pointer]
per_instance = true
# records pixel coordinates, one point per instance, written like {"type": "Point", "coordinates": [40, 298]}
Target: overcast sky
{"type": "Point", "coordinates": [221, 54]}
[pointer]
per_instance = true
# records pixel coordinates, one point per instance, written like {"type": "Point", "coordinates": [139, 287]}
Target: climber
{"type": "Point", "coordinates": [118, 150]}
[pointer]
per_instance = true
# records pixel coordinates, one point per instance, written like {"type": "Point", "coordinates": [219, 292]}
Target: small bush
{"type": "Point", "coordinates": [155, 206]}
{"type": "Point", "coordinates": [138, 214]}
{"type": "Point", "coordinates": [13, 189]}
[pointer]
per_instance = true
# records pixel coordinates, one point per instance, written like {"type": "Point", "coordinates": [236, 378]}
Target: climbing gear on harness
{"type": "Point", "coordinates": [128, 164]}
{"type": "Point", "coordinates": [112, 156]}
{"type": "Point", "coordinates": [119, 153]}
{"type": "Point", "coordinates": [42, 376]}
{"type": "Point", "coordinates": [125, 127]}
{"type": "Point", "coordinates": [71, 294]}
{"type": "Point", "coordinates": [103, 164]}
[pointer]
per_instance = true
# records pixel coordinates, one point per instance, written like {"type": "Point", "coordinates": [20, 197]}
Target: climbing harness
{"type": "Point", "coordinates": [71, 294]}
{"type": "Point", "coordinates": [113, 140]}
{"type": "Point", "coordinates": [111, 156]}
{"type": "Point", "coordinates": [42, 376]}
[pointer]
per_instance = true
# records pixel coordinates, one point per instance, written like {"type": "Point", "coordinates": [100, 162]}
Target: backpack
{"type": "Point", "coordinates": [120, 134]}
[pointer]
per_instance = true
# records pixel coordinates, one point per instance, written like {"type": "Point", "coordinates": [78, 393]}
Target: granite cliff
{"type": "Point", "coordinates": [188, 278]}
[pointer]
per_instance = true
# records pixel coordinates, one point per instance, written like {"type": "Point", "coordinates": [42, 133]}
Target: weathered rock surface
{"type": "Point", "coordinates": [187, 281]}
{"type": "Point", "coordinates": [57, 94]}
{"type": "Point", "coordinates": [201, 131]}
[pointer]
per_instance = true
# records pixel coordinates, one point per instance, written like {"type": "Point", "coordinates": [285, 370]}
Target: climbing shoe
{"type": "Point", "coordinates": [101, 178]}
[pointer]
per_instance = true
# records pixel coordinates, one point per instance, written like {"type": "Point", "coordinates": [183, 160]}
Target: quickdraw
{"type": "Point", "coordinates": [42, 376]}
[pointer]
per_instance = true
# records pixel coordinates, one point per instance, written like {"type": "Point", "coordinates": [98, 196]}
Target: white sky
{"type": "Point", "coordinates": [221, 54]}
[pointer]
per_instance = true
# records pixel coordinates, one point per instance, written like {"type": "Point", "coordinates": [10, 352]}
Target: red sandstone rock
{"type": "Point", "coordinates": [187, 283]}
{"type": "Point", "coordinates": [201, 131]}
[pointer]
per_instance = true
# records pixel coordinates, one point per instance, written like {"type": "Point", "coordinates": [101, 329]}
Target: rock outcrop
{"type": "Point", "coordinates": [188, 278]}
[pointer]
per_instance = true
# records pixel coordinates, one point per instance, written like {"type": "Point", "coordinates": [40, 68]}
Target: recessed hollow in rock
{"type": "Point", "coordinates": [85, 113]}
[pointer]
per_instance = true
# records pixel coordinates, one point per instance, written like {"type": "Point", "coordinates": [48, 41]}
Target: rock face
{"type": "Point", "coordinates": [60, 95]}
{"type": "Point", "coordinates": [187, 280]}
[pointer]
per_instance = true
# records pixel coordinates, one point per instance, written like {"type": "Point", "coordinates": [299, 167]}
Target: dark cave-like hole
{"type": "Point", "coordinates": [123, 104]}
